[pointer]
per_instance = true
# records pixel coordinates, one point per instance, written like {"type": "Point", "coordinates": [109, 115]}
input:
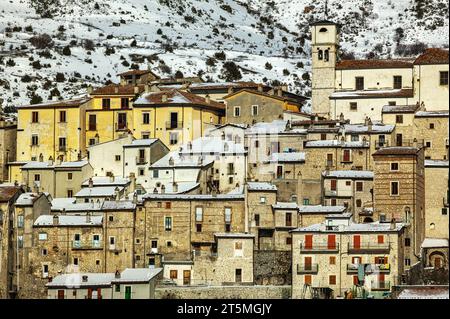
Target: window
{"type": "Point", "coordinates": [288, 219]}
{"type": "Point", "coordinates": [262, 199]}
{"type": "Point", "coordinates": [254, 110]}
{"type": "Point", "coordinates": [332, 280]}
{"type": "Point", "coordinates": [392, 103]}
{"type": "Point", "coordinates": [256, 144]}
{"type": "Point", "coordinates": [145, 136]}
{"type": "Point", "coordinates": [117, 158]}
{"type": "Point", "coordinates": [91, 141]}
{"type": "Point", "coordinates": [155, 173]}
{"type": "Point", "coordinates": [141, 172]}
{"type": "Point", "coordinates": [327, 55]}
{"type": "Point", "coordinates": [288, 240]}
{"type": "Point", "coordinates": [20, 221]}
{"type": "Point", "coordinates": [407, 242]}
{"type": "Point", "coordinates": [238, 252]}
{"type": "Point", "coordinates": [320, 55]}
{"type": "Point", "coordinates": [394, 188]}
{"type": "Point", "coordinates": [407, 262]}
{"type": "Point", "coordinates": [45, 271]}
{"type": "Point", "coordinates": [173, 274]}
{"type": "Point", "coordinates": [346, 156]}
{"type": "Point", "coordinates": [443, 78]}
{"type": "Point", "coordinates": [37, 177]}
{"type": "Point", "coordinates": [173, 138]}
{"type": "Point", "coordinates": [359, 186]}
{"type": "Point", "coordinates": [42, 236]}
{"type": "Point", "coordinates": [106, 104]}
{"type": "Point", "coordinates": [44, 252]}
{"type": "Point", "coordinates": [399, 119]}
{"type": "Point", "coordinates": [92, 122]}
{"type": "Point", "coordinates": [75, 261]}
{"type": "Point", "coordinates": [428, 143]}
{"type": "Point", "coordinates": [444, 211]}
{"type": "Point", "coordinates": [62, 144]}
{"type": "Point", "coordinates": [432, 126]}
{"type": "Point", "coordinates": [20, 241]}
{"type": "Point", "coordinates": [333, 202]}
{"type": "Point", "coordinates": [62, 116]}
{"type": "Point", "coordinates": [145, 118]}
{"type": "Point", "coordinates": [380, 239]}
{"type": "Point", "coordinates": [359, 83]}
{"type": "Point", "coordinates": [348, 183]}
{"type": "Point", "coordinates": [323, 136]}
{"type": "Point", "coordinates": [111, 218]}
{"type": "Point", "coordinates": [237, 111]}
{"type": "Point", "coordinates": [397, 81]}
{"type": "Point", "coordinates": [355, 138]}
{"type": "Point", "coordinates": [34, 117]}
{"type": "Point", "coordinates": [168, 223]}
{"type": "Point", "coordinates": [238, 275]}
{"type": "Point", "coordinates": [358, 203]}
{"type": "Point", "coordinates": [34, 140]}
{"type": "Point", "coordinates": [227, 215]}
{"type": "Point", "coordinates": [198, 214]}
{"type": "Point", "coordinates": [333, 184]}
{"type": "Point", "coordinates": [117, 286]}
{"type": "Point", "coordinates": [305, 201]}
{"type": "Point", "coordinates": [394, 166]}
{"type": "Point", "coordinates": [257, 220]}
{"type": "Point", "coordinates": [353, 106]}
{"type": "Point", "coordinates": [332, 260]}
{"type": "Point", "coordinates": [124, 103]}
{"type": "Point", "coordinates": [168, 205]}
{"type": "Point", "coordinates": [154, 244]}
{"type": "Point", "coordinates": [69, 176]}
{"type": "Point", "coordinates": [198, 228]}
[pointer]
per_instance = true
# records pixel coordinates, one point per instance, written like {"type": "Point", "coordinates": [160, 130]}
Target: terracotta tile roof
{"type": "Point", "coordinates": [136, 72]}
{"type": "Point", "coordinates": [370, 94]}
{"type": "Point", "coordinates": [372, 64]}
{"type": "Point", "coordinates": [117, 89]}
{"type": "Point", "coordinates": [62, 104]}
{"type": "Point", "coordinates": [176, 97]}
{"type": "Point", "coordinates": [433, 56]}
{"type": "Point", "coordinates": [397, 150]}
{"type": "Point", "coordinates": [273, 96]}
{"type": "Point", "coordinates": [7, 192]}
{"type": "Point", "coordinates": [226, 85]}
{"type": "Point", "coordinates": [400, 108]}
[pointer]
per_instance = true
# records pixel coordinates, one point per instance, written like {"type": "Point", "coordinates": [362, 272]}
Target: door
{"type": "Point", "coordinates": [279, 171]}
{"type": "Point", "coordinates": [329, 159]}
{"type": "Point", "coordinates": [122, 121]}
{"type": "Point", "coordinates": [89, 296]}
{"type": "Point", "coordinates": [381, 281]}
{"type": "Point", "coordinates": [141, 156]}
{"type": "Point", "coordinates": [399, 139]}
{"type": "Point", "coordinates": [437, 262]}
{"type": "Point", "coordinates": [308, 263]}
{"type": "Point", "coordinates": [331, 241]}
{"type": "Point", "coordinates": [333, 184]}
{"type": "Point", "coordinates": [99, 293]}
{"type": "Point", "coordinates": [127, 292]}
{"type": "Point", "coordinates": [186, 277]}
{"type": "Point", "coordinates": [238, 275]}
{"type": "Point", "coordinates": [356, 242]}
{"type": "Point", "coordinates": [173, 120]}
{"type": "Point", "coordinates": [308, 241]}
{"type": "Point", "coordinates": [60, 294]}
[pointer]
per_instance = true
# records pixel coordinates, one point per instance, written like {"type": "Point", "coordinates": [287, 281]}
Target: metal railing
{"type": "Point", "coordinates": [368, 247]}
{"type": "Point", "coordinates": [170, 125]}
{"type": "Point", "coordinates": [330, 193]}
{"type": "Point", "coordinates": [92, 244]}
{"type": "Point", "coordinates": [380, 285]}
{"type": "Point", "coordinates": [307, 268]}
{"type": "Point", "coordinates": [121, 126]}
{"type": "Point", "coordinates": [62, 148]}
{"type": "Point", "coordinates": [305, 249]}
{"type": "Point", "coordinates": [369, 268]}
{"type": "Point", "coordinates": [379, 144]}
{"type": "Point", "coordinates": [140, 160]}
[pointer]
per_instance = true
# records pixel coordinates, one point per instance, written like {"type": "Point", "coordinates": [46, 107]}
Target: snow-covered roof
{"type": "Point", "coordinates": [136, 275]}
{"type": "Point", "coordinates": [399, 108]}
{"type": "Point", "coordinates": [141, 142]}
{"type": "Point", "coordinates": [424, 292]}
{"type": "Point", "coordinates": [54, 165]}
{"type": "Point", "coordinates": [309, 209]}
{"type": "Point", "coordinates": [361, 94]}
{"type": "Point", "coordinates": [435, 243]}
{"type": "Point", "coordinates": [361, 128]}
{"type": "Point", "coordinates": [60, 203]}
{"type": "Point", "coordinates": [336, 143]}
{"type": "Point", "coordinates": [276, 126]}
{"type": "Point", "coordinates": [436, 163]}
{"type": "Point", "coordinates": [352, 227]}
{"type": "Point", "coordinates": [443, 113]}
{"type": "Point", "coordinates": [234, 235]}
{"type": "Point", "coordinates": [352, 174]}
{"type": "Point", "coordinates": [75, 280]}
{"type": "Point", "coordinates": [78, 207]}
{"type": "Point", "coordinates": [287, 157]}
{"type": "Point", "coordinates": [261, 186]}
{"type": "Point", "coordinates": [69, 220]}
{"type": "Point", "coordinates": [26, 199]}
{"type": "Point", "coordinates": [193, 196]}
{"type": "Point", "coordinates": [212, 144]}
{"type": "Point", "coordinates": [180, 161]}
{"type": "Point", "coordinates": [99, 181]}
{"type": "Point", "coordinates": [285, 205]}
{"type": "Point", "coordinates": [183, 187]}
{"type": "Point", "coordinates": [102, 191]}
{"type": "Point", "coordinates": [118, 205]}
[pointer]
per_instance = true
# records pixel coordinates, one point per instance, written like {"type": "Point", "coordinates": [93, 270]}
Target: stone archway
{"type": "Point", "coordinates": [437, 259]}
{"type": "Point", "coordinates": [368, 220]}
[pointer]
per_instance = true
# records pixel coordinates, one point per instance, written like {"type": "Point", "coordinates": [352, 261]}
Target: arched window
{"type": "Point", "coordinates": [320, 55]}
{"type": "Point", "coordinates": [327, 55]}
{"type": "Point", "coordinates": [323, 30]}
{"type": "Point", "coordinates": [432, 226]}
{"type": "Point", "coordinates": [368, 220]}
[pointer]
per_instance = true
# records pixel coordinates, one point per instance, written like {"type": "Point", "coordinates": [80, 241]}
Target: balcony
{"type": "Point", "coordinates": [330, 193]}
{"type": "Point", "coordinates": [380, 285]}
{"type": "Point", "coordinates": [172, 125]}
{"type": "Point", "coordinates": [92, 127]}
{"type": "Point", "coordinates": [368, 248]}
{"type": "Point", "coordinates": [307, 268]}
{"type": "Point", "coordinates": [62, 148]}
{"type": "Point", "coordinates": [369, 268]}
{"type": "Point", "coordinates": [93, 244]}
{"type": "Point", "coordinates": [140, 160]}
{"type": "Point", "coordinates": [121, 126]}
{"type": "Point", "coordinates": [319, 248]}
{"type": "Point", "coordinates": [379, 144]}
{"type": "Point", "coordinates": [346, 159]}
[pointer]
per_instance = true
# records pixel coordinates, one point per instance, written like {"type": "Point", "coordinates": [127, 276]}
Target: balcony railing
{"type": "Point", "coordinates": [140, 160]}
{"type": "Point", "coordinates": [319, 248]}
{"type": "Point", "coordinates": [171, 125]}
{"type": "Point", "coordinates": [379, 144]}
{"type": "Point", "coordinates": [121, 126]}
{"type": "Point", "coordinates": [62, 148]}
{"type": "Point", "coordinates": [369, 268]}
{"type": "Point", "coordinates": [380, 285]}
{"type": "Point", "coordinates": [368, 248]}
{"type": "Point", "coordinates": [93, 244]}
{"type": "Point", "coordinates": [307, 268]}
{"type": "Point", "coordinates": [330, 193]}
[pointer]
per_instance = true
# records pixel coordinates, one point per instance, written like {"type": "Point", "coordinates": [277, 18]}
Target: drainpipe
{"type": "Point", "coordinates": [246, 207]}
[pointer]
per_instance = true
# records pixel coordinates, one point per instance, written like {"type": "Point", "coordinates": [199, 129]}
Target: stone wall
{"type": "Point", "coordinates": [220, 292]}
{"type": "Point", "coordinates": [272, 267]}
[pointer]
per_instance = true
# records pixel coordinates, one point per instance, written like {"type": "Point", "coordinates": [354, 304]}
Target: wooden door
{"type": "Point", "coordinates": [186, 277]}
{"type": "Point", "coordinates": [356, 242]}
{"type": "Point", "coordinates": [60, 294]}
{"type": "Point", "coordinates": [99, 293]}
{"type": "Point", "coordinates": [333, 184]}
{"type": "Point", "coordinates": [308, 241]}
{"type": "Point", "coordinates": [308, 263]}
{"type": "Point", "coordinates": [89, 296]}
{"type": "Point", "coordinates": [127, 292]}
{"type": "Point", "coordinates": [437, 262]}
{"type": "Point", "coordinates": [331, 241]}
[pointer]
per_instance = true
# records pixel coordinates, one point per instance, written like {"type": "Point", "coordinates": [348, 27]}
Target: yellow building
{"type": "Point", "coordinates": [53, 129]}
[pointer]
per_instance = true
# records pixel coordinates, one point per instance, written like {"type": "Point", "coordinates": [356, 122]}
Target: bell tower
{"type": "Point", "coordinates": [324, 46]}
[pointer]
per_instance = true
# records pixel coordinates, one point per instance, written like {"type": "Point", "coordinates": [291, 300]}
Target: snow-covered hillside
{"type": "Point", "coordinates": [93, 40]}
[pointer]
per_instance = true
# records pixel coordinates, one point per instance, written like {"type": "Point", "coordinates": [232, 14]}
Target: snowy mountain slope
{"type": "Point", "coordinates": [172, 35]}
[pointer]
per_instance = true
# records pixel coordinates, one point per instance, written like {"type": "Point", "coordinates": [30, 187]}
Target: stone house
{"type": "Point", "coordinates": [8, 145]}
{"type": "Point", "coordinates": [399, 194]}
{"type": "Point", "coordinates": [339, 256]}
{"type": "Point", "coordinates": [135, 77]}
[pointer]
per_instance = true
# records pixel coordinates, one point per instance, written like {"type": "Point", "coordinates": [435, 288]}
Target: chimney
{"type": "Point", "coordinates": [88, 217]}
{"type": "Point", "coordinates": [200, 160]}
{"type": "Point", "coordinates": [369, 124]}
{"type": "Point", "coordinates": [214, 192]}
{"type": "Point", "coordinates": [79, 156]}
{"type": "Point", "coordinates": [155, 191]}
{"type": "Point", "coordinates": [55, 98]}
{"type": "Point", "coordinates": [50, 161]}
{"type": "Point", "coordinates": [136, 89]}
{"type": "Point", "coordinates": [84, 278]}
{"type": "Point", "coordinates": [63, 212]}
{"type": "Point", "coordinates": [225, 147]}
{"type": "Point", "coordinates": [117, 193]}
{"type": "Point", "coordinates": [316, 117]}
{"type": "Point", "coordinates": [147, 88]}
{"type": "Point", "coordinates": [55, 220]}
{"type": "Point", "coordinates": [175, 187]}
{"type": "Point", "coordinates": [58, 160]}
{"type": "Point", "coordinates": [111, 178]}
{"type": "Point", "coordinates": [135, 197]}
{"type": "Point", "coordinates": [164, 97]}
{"type": "Point", "coordinates": [91, 182]}
{"type": "Point", "coordinates": [207, 99]}
{"type": "Point", "coordinates": [189, 145]}
{"type": "Point", "coordinates": [117, 274]}
{"type": "Point", "coordinates": [41, 157]}
{"type": "Point", "coordinates": [116, 89]}
{"type": "Point", "coordinates": [393, 224]}
{"type": "Point", "coordinates": [230, 90]}
{"type": "Point", "coordinates": [366, 121]}
{"type": "Point", "coordinates": [279, 91]}
{"type": "Point", "coordinates": [260, 87]}
{"type": "Point", "coordinates": [89, 89]}
{"type": "Point", "coordinates": [132, 182]}
{"type": "Point", "coordinates": [171, 161]}
{"type": "Point", "coordinates": [223, 136]}
{"type": "Point", "coordinates": [97, 138]}
{"type": "Point", "coordinates": [422, 106]}
{"type": "Point", "coordinates": [163, 189]}
{"type": "Point", "coordinates": [35, 188]}
{"type": "Point", "coordinates": [341, 118]}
